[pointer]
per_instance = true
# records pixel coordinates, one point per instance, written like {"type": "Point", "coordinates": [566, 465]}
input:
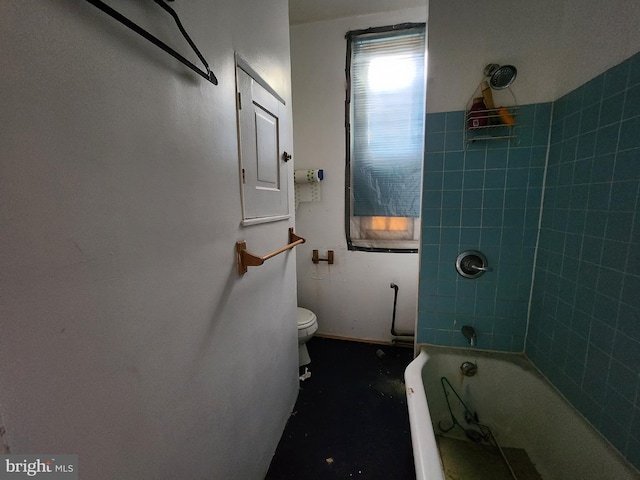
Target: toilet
{"type": "Point", "coordinates": [307, 326]}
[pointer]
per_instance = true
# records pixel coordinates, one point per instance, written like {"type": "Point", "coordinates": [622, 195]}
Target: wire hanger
{"type": "Point", "coordinates": [208, 74]}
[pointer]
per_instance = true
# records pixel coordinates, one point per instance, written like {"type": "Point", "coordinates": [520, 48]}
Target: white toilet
{"type": "Point", "coordinates": [307, 326]}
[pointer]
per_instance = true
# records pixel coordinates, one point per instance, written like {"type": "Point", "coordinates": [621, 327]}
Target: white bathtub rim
{"type": "Point", "coordinates": [426, 455]}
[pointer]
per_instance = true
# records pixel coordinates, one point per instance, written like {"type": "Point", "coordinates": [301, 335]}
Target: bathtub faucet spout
{"type": "Point", "coordinates": [470, 334]}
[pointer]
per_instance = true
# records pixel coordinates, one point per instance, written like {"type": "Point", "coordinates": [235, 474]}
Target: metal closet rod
{"type": "Point", "coordinates": [246, 259]}
{"type": "Point", "coordinates": [208, 75]}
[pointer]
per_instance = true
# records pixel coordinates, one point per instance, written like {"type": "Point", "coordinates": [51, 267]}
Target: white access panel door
{"type": "Point", "coordinates": [262, 162]}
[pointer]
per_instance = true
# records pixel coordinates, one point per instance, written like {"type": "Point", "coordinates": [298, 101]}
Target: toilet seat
{"type": "Point", "coordinates": [306, 318]}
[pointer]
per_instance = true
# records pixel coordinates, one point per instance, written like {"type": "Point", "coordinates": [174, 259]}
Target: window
{"type": "Point", "coordinates": [385, 137]}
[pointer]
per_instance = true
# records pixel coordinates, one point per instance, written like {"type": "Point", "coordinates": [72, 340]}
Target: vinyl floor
{"type": "Point", "coordinates": [350, 419]}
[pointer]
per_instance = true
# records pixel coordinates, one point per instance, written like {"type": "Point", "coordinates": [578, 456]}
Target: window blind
{"type": "Point", "coordinates": [387, 98]}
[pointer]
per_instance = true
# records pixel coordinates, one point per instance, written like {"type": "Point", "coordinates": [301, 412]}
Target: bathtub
{"type": "Point", "coordinates": [520, 406]}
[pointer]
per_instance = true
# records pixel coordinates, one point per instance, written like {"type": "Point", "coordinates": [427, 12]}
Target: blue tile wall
{"type": "Point", "coordinates": [580, 324]}
{"type": "Point", "coordinates": [486, 196]}
{"type": "Point", "coordinates": [584, 326]}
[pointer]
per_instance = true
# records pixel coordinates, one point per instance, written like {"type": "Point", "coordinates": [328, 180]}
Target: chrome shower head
{"type": "Point", "coordinates": [501, 76]}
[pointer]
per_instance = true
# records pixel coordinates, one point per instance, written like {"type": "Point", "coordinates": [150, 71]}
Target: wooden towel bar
{"type": "Point", "coordinates": [246, 259]}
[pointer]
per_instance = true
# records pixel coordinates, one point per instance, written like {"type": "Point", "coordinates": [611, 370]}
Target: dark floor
{"type": "Point", "coordinates": [350, 419]}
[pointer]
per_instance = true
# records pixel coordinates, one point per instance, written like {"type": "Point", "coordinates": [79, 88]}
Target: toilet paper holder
{"type": "Point", "coordinates": [472, 264]}
{"type": "Point", "coordinates": [315, 258]}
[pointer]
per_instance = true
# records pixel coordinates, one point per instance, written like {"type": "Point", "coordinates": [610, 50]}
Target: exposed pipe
{"type": "Point", "coordinates": [400, 337]}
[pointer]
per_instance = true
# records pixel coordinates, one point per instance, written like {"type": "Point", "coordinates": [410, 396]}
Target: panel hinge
{"type": "Point", "coordinates": [239, 101]}
{"type": "Point", "coordinates": [243, 178]}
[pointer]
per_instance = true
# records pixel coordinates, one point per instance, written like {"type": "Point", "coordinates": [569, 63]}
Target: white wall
{"type": "Point", "coordinates": [127, 336]}
{"type": "Point", "coordinates": [464, 37]}
{"type": "Point", "coordinates": [595, 37]}
{"type": "Point", "coordinates": [352, 298]}
{"type": "Point", "coordinates": [556, 46]}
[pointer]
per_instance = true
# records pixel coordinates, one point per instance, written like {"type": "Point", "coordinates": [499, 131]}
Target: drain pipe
{"type": "Point", "coordinates": [404, 338]}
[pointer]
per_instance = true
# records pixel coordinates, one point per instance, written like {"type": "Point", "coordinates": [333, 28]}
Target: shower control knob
{"type": "Point", "coordinates": [472, 264]}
